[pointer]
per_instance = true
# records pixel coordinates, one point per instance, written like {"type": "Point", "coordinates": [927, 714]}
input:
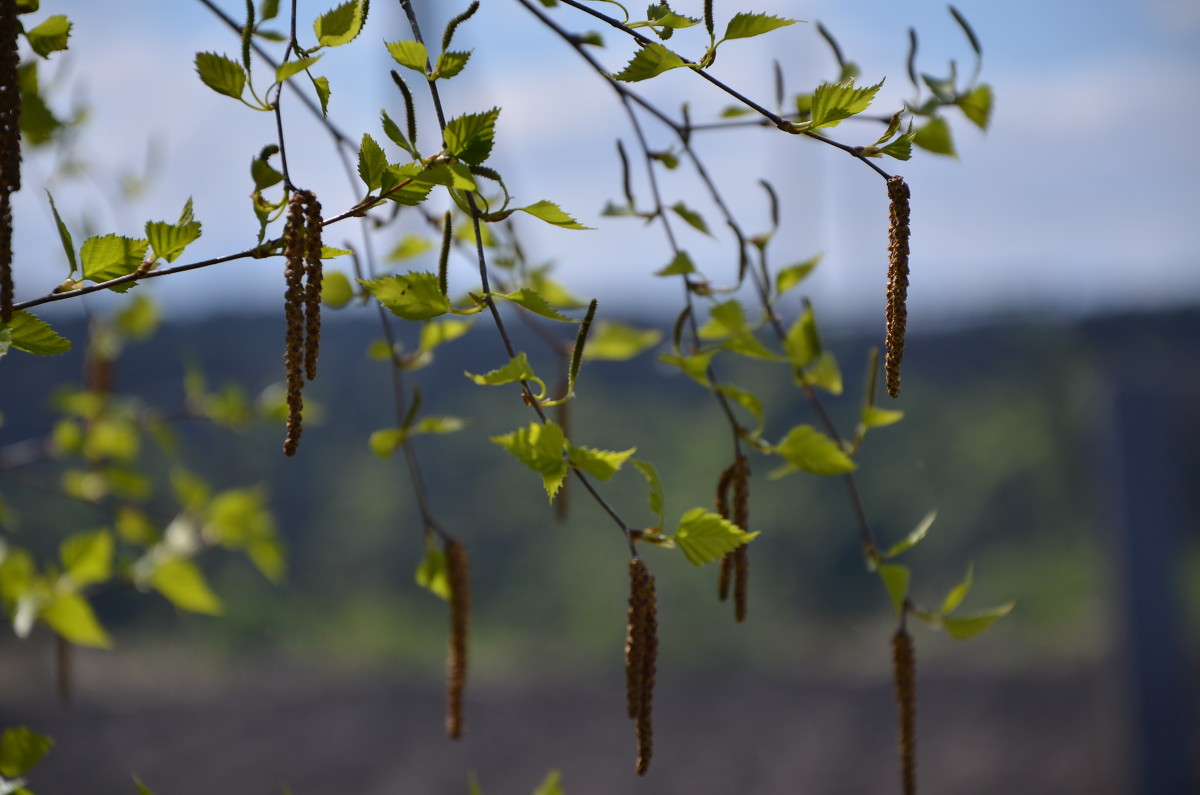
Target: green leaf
{"type": "Point", "coordinates": [64, 235]}
{"type": "Point", "coordinates": [517, 369]}
{"type": "Point", "coordinates": [30, 334]}
{"type": "Point", "coordinates": [293, 68]}
{"type": "Point", "coordinates": [20, 750]}
{"type": "Point", "coordinates": [618, 342]}
{"type": "Point", "coordinates": [138, 319]}
{"type": "Point", "coordinates": [262, 173]}
{"type": "Point", "coordinates": [958, 593]}
{"type": "Point", "coordinates": [539, 446]}
{"type": "Point", "coordinates": [895, 578]}
{"type": "Point", "coordinates": [321, 85]}
{"type": "Point", "coordinates": [551, 786]}
{"type": "Point", "coordinates": [339, 26]}
{"type": "Point", "coordinates": [601, 463]}
{"type": "Point", "coordinates": [336, 290]}
{"type": "Point", "coordinates": [50, 36]}
{"type": "Point", "coordinates": [452, 175]}
{"type": "Point", "coordinates": [184, 585]}
{"type": "Point", "coordinates": [438, 425]}
{"type": "Point", "coordinates": [109, 256]}
{"type": "Point", "coordinates": [412, 296]}
{"type": "Point", "coordinates": [386, 441]}
{"type": "Point", "coordinates": [439, 332]}
{"type": "Point", "coordinates": [746, 344]}
{"type": "Point", "coordinates": [651, 60]}
{"type": "Point", "coordinates": [411, 54]}
{"type": "Point", "coordinates": [824, 374]}
{"type": "Point", "coordinates": [534, 303]}
{"type": "Point", "coordinates": [744, 25]}
{"type": "Point", "coordinates": [803, 342]}
{"type": "Point", "coordinates": [410, 246]}
{"type": "Point", "coordinates": [875, 417]}
{"type": "Point", "coordinates": [433, 574]}
{"type": "Point", "coordinates": [239, 519]}
{"type": "Point", "coordinates": [704, 536]}
{"type": "Point", "coordinates": [789, 277]}
{"type": "Point", "coordinates": [655, 496]}
{"type": "Point", "coordinates": [141, 788]}
{"type": "Point", "coordinates": [746, 399]}
{"type": "Point", "coordinates": [968, 626]}
{"type": "Point", "coordinates": [695, 365]}
{"type": "Point", "coordinates": [680, 264]}
{"type": "Point", "coordinates": [371, 162]}
{"type": "Point", "coordinates": [87, 557]}
{"type": "Point", "coordinates": [169, 240]}
{"type": "Point", "coordinates": [392, 131]}
{"type": "Point", "coordinates": [833, 102]}
{"type": "Point", "coordinates": [268, 10]}
{"type": "Point", "coordinates": [470, 137]}
{"type": "Point", "coordinates": [221, 74]}
{"type": "Point", "coordinates": [693, 218]}
{"type": "Point", "coordinates": [805, 448]}
{"type": "Point", "coordinates": [935, 137]}
{"type": "Point", "coordinates": [450, 63]}
{"type": "Point", "coordinates": [913, 538]}
{"type": "Point", "coordinates": [551, 213]}
{"type": "Point", "coordinates": [413, 192]}
{"type": "Point", "coordinates": [977, 105]}
{"type": "Point", "coordinates": [71, 616]}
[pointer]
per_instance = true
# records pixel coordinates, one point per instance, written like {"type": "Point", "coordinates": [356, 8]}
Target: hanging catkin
{"type": "Point", "coordinates": [314, 279]}
{"type": "Point", "coordinates": [293, 306]}
{"type": "Point", "coordinates": [904, 667]}
{"type": "Point", "coordinates": [741, 517]}
{"type": "Point", "coordinates": [897, 288]}
{"type": "Point", "coordinates": [641, 655]}
{"type": "Point", "coordinates": [10, 146]}
{"type": "Point", "coordinates": [725, 577]}
{"type": "Point", "coordinates": [458, 574]}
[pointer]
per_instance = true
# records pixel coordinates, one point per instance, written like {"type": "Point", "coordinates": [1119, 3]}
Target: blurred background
{"type": "Point", "coordinates": [1050, 390]}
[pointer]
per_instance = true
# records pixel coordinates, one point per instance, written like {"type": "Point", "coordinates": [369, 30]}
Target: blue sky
{"type": "Point", "coordinates": [1081, 197]}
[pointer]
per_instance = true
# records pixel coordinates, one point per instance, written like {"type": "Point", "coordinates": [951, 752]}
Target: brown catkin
{"type": "Point", "coordinates": [314, 279]}
{"type": "Point", "coordinates": [905, 671]}
{"type": "Point", "coordinates": [641, 655]}
{"type": "Point", "coordinates": [741, 517]}
{"type": "Point", "coordinates": [724, 578]}
{"type": "Point", "coordinates": [10, 146]}
{"type": "Point", "coordinates": [458, 573]}
{"type": "Point", "coordinates": [897, 289]}
{"type": "Point", "coordinates": [293, 304]}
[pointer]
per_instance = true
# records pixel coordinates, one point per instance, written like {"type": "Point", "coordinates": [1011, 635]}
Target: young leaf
{"type": "Point", "coordinates": [534, 303]}
{"type": "Point", "coordinates": [913, 538]}
{"type": "Point", "coordinates": [184, 585]}
{"type": "Point", "coordinates": [470, 137]}
{"type": "Point", "coordinates": [959, 592]}
{"type": "Point", "coordinates": [655, 496]}
{"type": "Point", "coordinates": [601, 463]}
{"type": "Point", "coordinates": [875, 417]}
{"type": "Point", "coordinates": [693, 218]}
{"type": "Point", "coordinates": [372, 162]}
{"type": "Point", "coordinates": [651, 60]}
{"type": "Point", "coordinates": [450, 63]}
{"type": "Point", "coordinates": [968, 626]}
{"type": "Point", "coordinates": [704, 536]}
{"type": "Point", "coordinates": [71, 616]}
{"type": "Point", "coordinates": [293, 68]}
{"type": "Point", "coordinates": [833, 102]}
{"type": "Point", "coordinates": [551, 213]}
{"type": "Point", "coordinates": [539, 446]}
{"type": "Point", "coordinates": [50, 36]}
{"type": "Point", "coordinates": [823, 373]}
{"type": "Point", "coordinates": [439, 332]}
{"type": "Point", "coordinates": [221, 74]}
{"type": "Point", "coordinates": [412, 296]}
{"type": "Point", "coordinates": [695, 365]}
{"type": "Point", "coordinates": [321, 85]}
{"type": "Point", "coordinates": [167, 240]}
{"type": "Point", "coordinates": [339, 26]}
{"type": "Point", "coordinates": [744, 25]}
{"type": "Point", "coordinates": [803, 342]}
{"type": "Point", "coordinates": [935, 137]}
{"type": "Point", "coordinates": [20, 750]}
{"type": "Point", "coordinates": [517, 369]}
{"type": "Point", "coordinates": [87, 557]}
{"type": "Point", "coordinates": [805, 448]}
{"type": "Point", "coordinates": [976, 105]}
{"type": "Point", "coordinates": [432, 574]}
{"type": "Point", "coordinates": [30, 334]}
{"type": "Point", "coordinates": [551, 785]}
{"type": "Point", "coordinates": [895, 578]}
{"type": "Point", "coordinates": [789, 277]}
{"type": "Point", "coordinates": [680, 265]}
{"type": "Point", "coordinates": [336, 290]}
{"type": "Point", "coordinates": [746, 399]}
{"type": "Point", "coordinates": [617, 342]}
{"type": "Point", "coordinates": [64, 235]}
{"type": "Point", "coordinates": [109, 256]}
{"type": "Point", "coordinates": [392, 131]}
{"type": "Point", "coordinates": [411, 54]}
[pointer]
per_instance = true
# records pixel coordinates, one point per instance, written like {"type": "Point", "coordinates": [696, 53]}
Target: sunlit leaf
{"type": "Point", "coordinates": [601, 463]}
{"type": "Point", "coordinates": [412, 296]}
{"type": "Point", "coordinates": [438, 332]}
{"type": "Point", "coordinates": [339, 26]}
{"type": "Point", "coordinates": [652, 59]}
{"type": "Point", "coordinates": [895, 578]}
{"type": "Point", "coordinates": [704, 536]}
{"type": "Point", "coordinates": [680, 264]}
{"type": "Point", "coordinates": [807, 449]}
{"type": "Point", "coordinates": [913, 538]}
{"type": "Point", "coordinates": [87, 557]}
{"type": "Point", "coordinates": [744, 25]}
{"type": "Point", "coordinates": [30, 334]}
{"type": "Point", "coordinates": [336, 290]}
{"type": "Point", "coordinates": [655, 495]}
{"type": "Point", "coordinates": [20, 750]}
{"type": "Point", "coordinates": [539, 446]}
{"type": "Point", "coordinates": [789, 277]}
{"type": "Point", "coordinates": [184, 585]}
{"type": "Point", "coordinates": [935, 137]}
{"type": "Point", "coordinates": [833, 102]}
{"type": "Point", "coordinates": [693, 218]}
{"type": "Point", "coordinates": [534, 303]}
{"type": "Point", "coordinates": [169, 240]}
{"type": "Point", "coordinates": [109, 256]}
{"type": "Point", "coordinates": [968, 626]}
{"type": "Point", "coordinates": [617, 342]}
{"type": "Point", "coordinates": [432, 574]}
{"type": "Point", "coordinates": [293, 68]}
{"type": "Point", "coordinates": [551, 213]}
{"type": "Point", "coordinates": [958, 593]}
{"type": "Point", "coordinates": [803, 342]}
{"type": "Point", "coordinates": [371, 162]}
{"type": "Point", "coordinates": [744, 398]}
{"type": "Point", "coordinates": [470, 137]}
{"type": "Point", "coordinates": [551, 785]}
{"type": "Point", "coordinates": [450, 63]}
{"type": "Point", "coordinates": [694, 365]}
{"type": "Point", "coordinates": [823, 373]}
{"type": "Point", "coordinates": [976, 105]}
{"type": "Point", "coordinates": [71, 616]}
{"type": "Point", "coordinates": [875, 417]}
{"type": "Point", "coordinates": [50, 36]}
{"type": "Point", "coordinates": [221, 74]}
{"type": "Point", "coordinates": [411, 54]}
